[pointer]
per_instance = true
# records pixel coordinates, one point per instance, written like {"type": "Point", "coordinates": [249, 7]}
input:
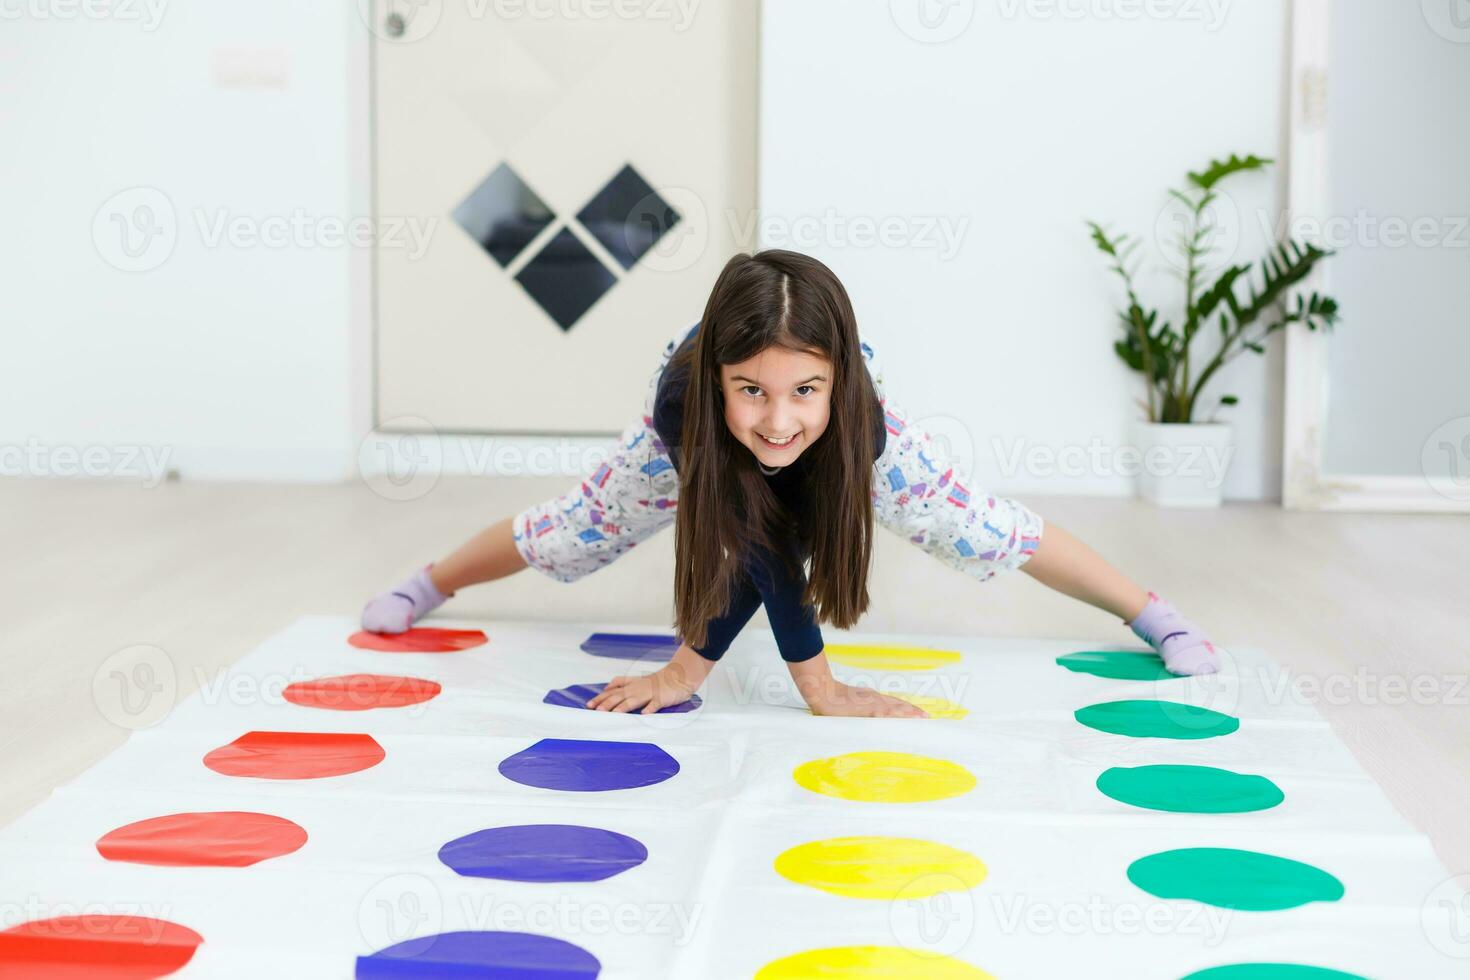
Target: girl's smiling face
{"type": "Point", "coordinates": [777, 403]}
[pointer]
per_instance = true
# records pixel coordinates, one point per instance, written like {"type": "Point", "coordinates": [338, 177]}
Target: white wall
{"type": "Point", "coordinates": [1034, 116]}
{"type": "Point", "coordinates": [250, 361]}
{"type": "Point", "coordinates": [232, 361]}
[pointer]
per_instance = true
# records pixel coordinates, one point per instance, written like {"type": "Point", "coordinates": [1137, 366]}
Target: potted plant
{"type": "Point", "coordinates": [1183, 460]}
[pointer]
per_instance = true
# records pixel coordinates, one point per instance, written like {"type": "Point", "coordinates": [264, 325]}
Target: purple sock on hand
{"type": "Point", "coordinates": [403, 605]}
{"type": "Point", "coordinates": [1181, 643]}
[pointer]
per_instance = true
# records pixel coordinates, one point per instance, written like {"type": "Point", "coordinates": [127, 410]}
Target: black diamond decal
{"type": "Point", "coordinates": [503, 214]}
{"type": "Point", "coordinates": [627, 216]}
{"type": "Point", "coordinates": [565, 278]}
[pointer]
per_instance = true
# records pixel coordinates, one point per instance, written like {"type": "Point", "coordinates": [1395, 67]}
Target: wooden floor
{"type": "Point", "coordinates": [1370, 609]}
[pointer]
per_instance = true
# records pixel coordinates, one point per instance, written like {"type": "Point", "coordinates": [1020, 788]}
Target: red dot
{"type": "Point", "coordinates": [96, 947]}
{"type": "Point", "coordinates": [227, 839]}
{"type": "Point", "coordinates": [295, 755]}
{"type": "Point", "coordinates": [358, 692]}
{"type": "Point", "coordinates": [420, 639]}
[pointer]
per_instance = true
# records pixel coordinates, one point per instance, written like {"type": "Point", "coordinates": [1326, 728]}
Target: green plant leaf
{"type": "Point", "coordinates": [1131, 356]}
{"type": "Point", "coordinates": [1281, 269]}
{"type": "Point", "coordinates": [1222, 291]}
{"type": "Point", "coordinates": [1218, 170]}
{"type": "Point", "coordinates": [1316, 311]}
{"type": "Point", "coordinates": [1182, 198]}
{"type": "Point", "coordinates": [1101, 240]}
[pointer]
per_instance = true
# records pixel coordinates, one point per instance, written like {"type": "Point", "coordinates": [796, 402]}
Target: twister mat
{"type": "Point", "coordinates": [341, 805]}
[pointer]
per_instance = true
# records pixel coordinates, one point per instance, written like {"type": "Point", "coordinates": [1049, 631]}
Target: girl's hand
{"type": "Point", "coordinates": [660, 689]}
{"type": "Point", "coordinates": [826, 695]}
{"type": "Point", "coordinates": [861, 702]}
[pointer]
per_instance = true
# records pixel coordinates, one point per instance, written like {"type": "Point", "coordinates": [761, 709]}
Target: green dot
{"type": "Point", "coordinates": [1233, 879]}
{"type": "Point", "coordinates": [1271, 971]}
{"type": "Point", "coordinates": [1122, 665]}
{"type": "Point", "coordinates": [1156, 719]}
{"type": "Point", "coordinates": [1189, 789]}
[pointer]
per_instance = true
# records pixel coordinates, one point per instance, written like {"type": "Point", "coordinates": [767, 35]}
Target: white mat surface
{"type": "Point", "coordinates": [708, 903]}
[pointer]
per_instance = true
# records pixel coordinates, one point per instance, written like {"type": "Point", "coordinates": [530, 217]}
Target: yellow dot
{"type": "Point", "coordinates": [884, 777]}
{"type": "Point", "coordinates": [869, 963]}
{"type": "Point", "coordinates": [885, 868]}
{"type": "Point", "coordinates": [890, 657]}
{"type": "Point", "coordinates": [935, 707]}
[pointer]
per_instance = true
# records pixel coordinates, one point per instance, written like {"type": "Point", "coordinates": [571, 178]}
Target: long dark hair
{"type": "Point", "coordinates": [774, 298]}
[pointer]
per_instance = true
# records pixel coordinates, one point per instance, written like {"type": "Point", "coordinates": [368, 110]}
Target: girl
{"type": "Point", "coordinates": [768, 440]}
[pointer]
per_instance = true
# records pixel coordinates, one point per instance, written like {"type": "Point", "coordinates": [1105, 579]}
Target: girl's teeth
{"type": "Point", "coordinates": [778, 442]}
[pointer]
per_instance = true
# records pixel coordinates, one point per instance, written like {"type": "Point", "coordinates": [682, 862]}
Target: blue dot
{"type": "Point", "coordinates": [543, 852]}
{"type": "Point", "coordinates": [589, 765]}
{"type": "Point", "coordinates": [484, 955]}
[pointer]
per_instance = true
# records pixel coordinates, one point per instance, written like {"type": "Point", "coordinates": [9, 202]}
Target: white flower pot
{"type": "Point", "coordinates": [1183, 465]}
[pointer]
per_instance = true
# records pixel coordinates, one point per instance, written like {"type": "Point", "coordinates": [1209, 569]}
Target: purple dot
{"type": "Point", "coordinates": [578, 695]}
{"type": "Point", "coordinates": [589, 765]}
{"type": "Point", "coordinates": [487, 955]}
{"type": "Point", "coordinates": [631, 646]}
{"type": "Point", "coordinates": [543, 852]}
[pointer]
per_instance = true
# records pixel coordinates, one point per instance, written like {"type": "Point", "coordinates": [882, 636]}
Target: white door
{"type": "Point", "coordinates": [567, 180]}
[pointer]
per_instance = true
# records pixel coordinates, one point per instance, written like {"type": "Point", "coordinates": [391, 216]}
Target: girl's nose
{"type": "Point", "coordinates": [776, 420]}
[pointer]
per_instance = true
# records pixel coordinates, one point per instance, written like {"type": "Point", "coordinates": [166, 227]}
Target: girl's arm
{"type": "Point", "coordinates": [826, 695]}
{"type": "Point", "coordinates": [669, 685]}
{"type": "Point", "coordinates": [682, 676]}
{"type": "Point", "coordinates": [922, 498]}
{"type": "Point", "coordinates": [800, 641]}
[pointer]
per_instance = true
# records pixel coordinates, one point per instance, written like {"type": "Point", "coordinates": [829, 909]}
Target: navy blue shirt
{"type": "Point", "coordinates": [766, 580]}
